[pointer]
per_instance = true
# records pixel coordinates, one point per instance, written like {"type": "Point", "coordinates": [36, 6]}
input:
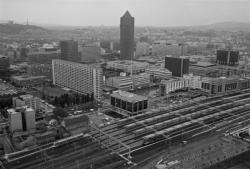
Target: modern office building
{"type": "Point", "coordinates": [127, 36]}
{"type": "Point", "coordinates": [229, 58]}
{"type": "Point", "coordinates": [178, 66]}
{"type": "Point", "coordinates": [81, 78]}
{"type": "Point", "coordinates": [69, 51]}
{"type": "Point", "coordinates": [129, 103]}
{"type": "Point", "coordinates": [21, 119]}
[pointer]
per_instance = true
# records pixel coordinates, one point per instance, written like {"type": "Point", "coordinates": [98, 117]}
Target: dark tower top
{"type": "Point", "coordinates": [178, 66]}
{"type": "Point", "coordinates": [127, 36]}
{"type": "Point", "coordinates": [69, 50]}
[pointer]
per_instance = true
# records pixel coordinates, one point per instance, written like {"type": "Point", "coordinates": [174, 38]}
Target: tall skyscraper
{"type": "Point", "coordinates": [127, 36]}
{"type": "Point", "coordinates": [178, 66]}
{"type": "Point", "coordinates": [69, 51]}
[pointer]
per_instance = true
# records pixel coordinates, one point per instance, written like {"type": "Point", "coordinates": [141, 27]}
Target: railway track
{"type": "Point", "coordinates": [172, 124]}
{"type": "Point", "coordinates": [143, 124]}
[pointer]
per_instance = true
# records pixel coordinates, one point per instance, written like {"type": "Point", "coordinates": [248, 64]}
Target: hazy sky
{"type": "Point", "coordinates": [108, 12]}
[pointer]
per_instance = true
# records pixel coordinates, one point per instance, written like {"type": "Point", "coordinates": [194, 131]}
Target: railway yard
{"type": "Point", "coordinates": [145, 138]}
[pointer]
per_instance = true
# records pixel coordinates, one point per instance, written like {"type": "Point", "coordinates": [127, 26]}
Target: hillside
{"type": "Point", "coordinates": [15, 29]}
{"type": "Point", "coordinates": [227, 26]}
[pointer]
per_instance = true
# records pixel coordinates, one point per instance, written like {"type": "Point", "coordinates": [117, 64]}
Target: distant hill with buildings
{"type": "Point", "coordinates": [227, 26]}
{"type": "Point", "coordinates": [15, 29]}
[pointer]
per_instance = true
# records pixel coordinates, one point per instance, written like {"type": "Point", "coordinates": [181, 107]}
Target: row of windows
{"type": "Point", "coordinates": [131, 107]}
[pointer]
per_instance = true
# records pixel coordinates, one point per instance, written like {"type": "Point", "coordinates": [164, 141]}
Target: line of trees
{"type": "Point", "coordinates": [73, 99]}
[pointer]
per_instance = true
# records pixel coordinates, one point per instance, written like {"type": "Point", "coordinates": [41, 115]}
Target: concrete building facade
{"type": "Point", "coordinates": [224, 85]}
{"type": "Point", "coordinates": [188, 81]}
{"type": "Point", "coordinates": [126, 83]}
{"type": "Point", "coordinates": [21, 119]}
{"type": "Point", "coordinates": [130, 103]}
{"type": "Point", "coordinates": [81, 78]}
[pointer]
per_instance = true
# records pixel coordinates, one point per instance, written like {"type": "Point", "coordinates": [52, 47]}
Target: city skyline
{"type": "Point", "coordinates": [107, 12]}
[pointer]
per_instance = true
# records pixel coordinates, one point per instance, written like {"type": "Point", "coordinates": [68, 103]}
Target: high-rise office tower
{"type": "Point", "coordinates": [225, 57]}
{"type": "Point", "coordinates": [69, 51]}
{"type": "Point", "coordinates": [178, 66]}
{"type": "Point", "coordinates": [127, 36]}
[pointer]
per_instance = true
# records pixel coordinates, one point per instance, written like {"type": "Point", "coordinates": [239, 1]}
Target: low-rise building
{"type": "Point", "coordinates": [129, 103]}
{"type": "Point", "coordinates": [127, 82]}
{"type": "Point", "coordinates": [126, 66]}
{"type": "Point", "coordinates": [187, 81]}
{"type": "Point", "coordinates": [32, 102]}
{"type": "Point", "coordinates": [223, 85]}
{"type": "Point", "coordinates": [28, 81]}
{"type": "Point", "coordinates": [160, 73]}
{"type": "Point", "coordinates": [204, 69]}
{"type": "Point", "coordinates": [162, 48]}
{"type": "Point", "coordinates": [40, 70]}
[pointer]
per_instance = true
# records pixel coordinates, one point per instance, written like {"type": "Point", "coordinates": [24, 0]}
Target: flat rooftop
{"type": "Point", "coordinates": [18, 110]}
{"type": "Point", "coordinates": [159, 69]}
{"type": "Point", "coordinates": [27, 77]}
{"type": "Point", "coordinates": [127, 96]}
{"type": "Point", "coordinates": [128, 63]}
{"type": "Point", "coordinates": [203, 64]}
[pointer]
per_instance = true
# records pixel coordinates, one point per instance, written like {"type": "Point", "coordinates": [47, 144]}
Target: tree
{"type": "Point", "coordinates": [83, 98]}
{"type": "Point", "coordinates": [77, 99]}
{"type": "Point", "coordinates": [88, 98]}
{"type": "Point", "coordinates": [56, 101]}
{"type": "Point", "coordinates": [59, 113]}
{"type": "Point", "coordinates": [92, 97]}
